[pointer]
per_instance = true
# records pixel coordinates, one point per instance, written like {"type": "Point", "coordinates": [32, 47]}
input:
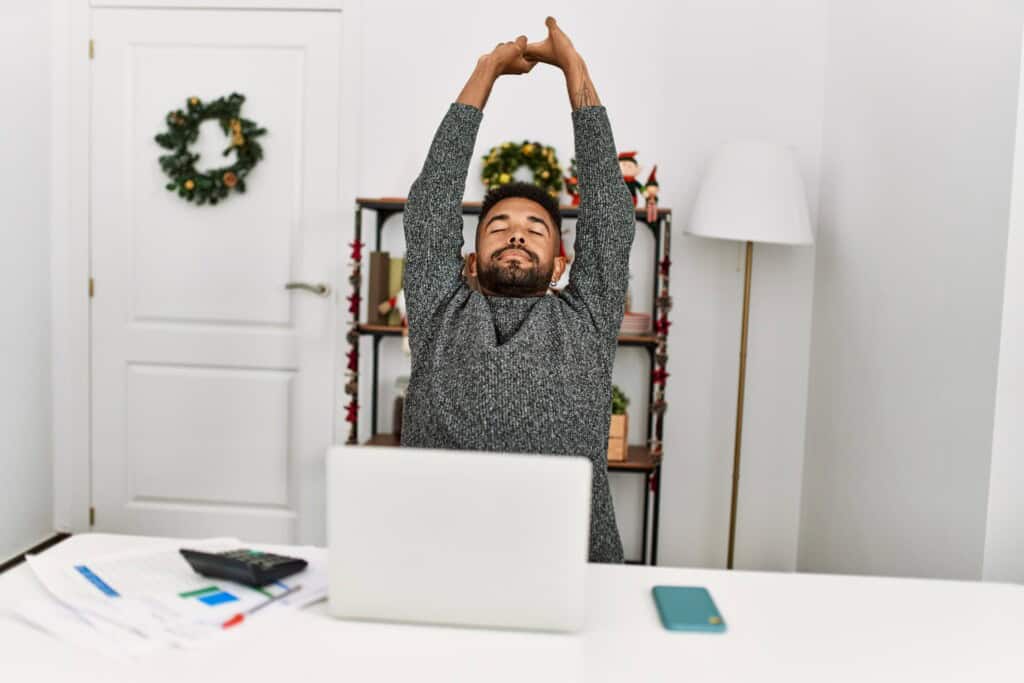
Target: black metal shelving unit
{"type": "Point", "coordinates": [642, 460]}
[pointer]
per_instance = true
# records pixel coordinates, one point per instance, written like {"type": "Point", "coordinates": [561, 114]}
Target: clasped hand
{"type": "Point", "coordinates": [516, 57]}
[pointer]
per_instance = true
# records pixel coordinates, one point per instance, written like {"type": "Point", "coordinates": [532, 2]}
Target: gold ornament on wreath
{"type": "Point", "coordinates": [501, 163]}
{"type": "Point", "coordinates": [213, 185]}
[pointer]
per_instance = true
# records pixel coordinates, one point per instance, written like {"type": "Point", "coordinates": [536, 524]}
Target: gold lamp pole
{"type": "Point", "coordinates": [752, 191]}
{"type": "Point", "coordinates": [739, 405]}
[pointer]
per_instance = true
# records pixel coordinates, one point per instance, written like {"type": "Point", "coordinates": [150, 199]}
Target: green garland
{"type": "Point", "coordinates": [502, 161]}
{"type": "Point", "coordinates": [183, 129]}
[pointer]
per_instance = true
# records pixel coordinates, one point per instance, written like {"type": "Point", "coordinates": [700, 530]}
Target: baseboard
{"type": "Point", "coordinates": [38, 548]}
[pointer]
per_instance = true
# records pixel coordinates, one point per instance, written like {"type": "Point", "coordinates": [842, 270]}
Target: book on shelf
{"type": "Point", "coordinates": [635, 323]}
{"type": "Point", "coordinates": [377, 289]}
{"type": "Point", "coordinates": [395, 268]}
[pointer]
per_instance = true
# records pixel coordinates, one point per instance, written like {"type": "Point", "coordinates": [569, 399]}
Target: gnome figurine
{"type": "Point", "coordinates": [651, 195]}
{"type": "Point", "coordinates": [629, 167]}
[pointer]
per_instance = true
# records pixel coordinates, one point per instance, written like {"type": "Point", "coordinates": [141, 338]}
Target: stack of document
{"type": "Point", "coordinates": [129, 604]}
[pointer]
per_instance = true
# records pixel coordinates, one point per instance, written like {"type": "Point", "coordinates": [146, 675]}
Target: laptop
{"type": "Point", "coordinates": [457, 537]}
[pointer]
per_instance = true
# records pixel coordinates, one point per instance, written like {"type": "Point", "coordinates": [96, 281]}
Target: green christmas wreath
{"type": "Point", "coordinates": [503, 161]}
{"type": "Point", "coordinates": [214, 184]}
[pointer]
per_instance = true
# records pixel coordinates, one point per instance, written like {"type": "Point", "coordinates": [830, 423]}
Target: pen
{"type": "Point", "coordinates": [240, 617]}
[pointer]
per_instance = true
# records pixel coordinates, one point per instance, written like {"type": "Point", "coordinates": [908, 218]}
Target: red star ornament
{"type": "Point", "coordinates": [357, 250]}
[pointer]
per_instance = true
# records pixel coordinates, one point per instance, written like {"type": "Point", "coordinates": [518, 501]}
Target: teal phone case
{"type": "Point", "coordinates": [687, 608]}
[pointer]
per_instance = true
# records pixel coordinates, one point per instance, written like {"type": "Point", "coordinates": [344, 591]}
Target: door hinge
{"type": "Point", "coordinates": [92, 288]}
{"type": "Point", "coordinates": [92, 49]}
{"type": "Point", "coordinates": [92, 516]}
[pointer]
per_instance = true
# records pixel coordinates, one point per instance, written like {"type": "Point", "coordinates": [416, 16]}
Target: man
{"type": "Point", "coordinates": [508, 366]}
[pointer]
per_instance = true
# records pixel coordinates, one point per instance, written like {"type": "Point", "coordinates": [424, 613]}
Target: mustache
{"type": "Point", "coordinates": [496, 255]}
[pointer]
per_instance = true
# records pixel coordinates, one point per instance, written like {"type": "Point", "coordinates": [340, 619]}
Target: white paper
{"type": "Point", "coordinates": [135, 602]}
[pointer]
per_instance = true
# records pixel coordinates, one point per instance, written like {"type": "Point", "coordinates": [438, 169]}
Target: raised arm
{"type": "Point", "coordinates": [557, 50]}
{"type": "Point", "coordinates": [606, 224]}
{"type": "Point", "coordinates": [433, 213]}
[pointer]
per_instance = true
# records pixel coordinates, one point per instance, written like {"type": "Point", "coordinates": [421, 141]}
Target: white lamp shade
{"type": "Point", "coordinates": [752, 191]}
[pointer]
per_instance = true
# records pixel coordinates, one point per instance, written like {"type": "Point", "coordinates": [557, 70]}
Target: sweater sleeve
{"type": "Point", "coordinates": [433, 216]}
{"type": "Point", "coordinates": [599, 274]}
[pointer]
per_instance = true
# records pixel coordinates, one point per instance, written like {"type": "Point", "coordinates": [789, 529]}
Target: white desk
{"type": "Point", "coordinates": [792, 627]}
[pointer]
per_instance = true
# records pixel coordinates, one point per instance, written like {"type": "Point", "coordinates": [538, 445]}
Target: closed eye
{"type": "Point", "coordinates": [497, 219]}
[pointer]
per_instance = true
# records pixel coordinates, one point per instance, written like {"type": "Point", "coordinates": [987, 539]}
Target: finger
{"type": "Point", "coordinates": [521, 43]}
{"type": "Point", "coordinates": [525, 65]}
{"type": "Point", "coordinates": [538, 51]}
{"type": "Point", "coordinates": [554, 28]}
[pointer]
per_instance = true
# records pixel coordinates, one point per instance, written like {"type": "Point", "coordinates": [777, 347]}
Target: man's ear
{"type": "Point", "coordinates": [556, 273]}
{"type": "Point", "coordinates": [471, 264]}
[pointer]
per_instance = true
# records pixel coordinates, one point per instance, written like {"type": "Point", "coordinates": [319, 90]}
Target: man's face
{"type": "Point", "coordinates": [516, 250]}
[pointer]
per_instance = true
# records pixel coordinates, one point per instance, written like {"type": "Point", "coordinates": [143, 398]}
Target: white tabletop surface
{"type": "Point", "coordinates": [792, 627]}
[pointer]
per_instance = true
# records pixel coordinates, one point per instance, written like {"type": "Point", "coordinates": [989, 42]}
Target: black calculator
{"type": "Point", "coordinates": [250, 567]}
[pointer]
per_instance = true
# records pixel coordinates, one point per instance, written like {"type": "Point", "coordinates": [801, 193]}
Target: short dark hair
{"type": "Point", "coordinates": [526, 191]}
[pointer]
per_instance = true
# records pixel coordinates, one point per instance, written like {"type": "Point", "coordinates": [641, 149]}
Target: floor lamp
{"type": "Point", "coordinates": [752, 191]}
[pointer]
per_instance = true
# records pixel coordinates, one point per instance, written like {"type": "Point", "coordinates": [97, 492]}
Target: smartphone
{"type": "Point", "coordinates": [687, 608]}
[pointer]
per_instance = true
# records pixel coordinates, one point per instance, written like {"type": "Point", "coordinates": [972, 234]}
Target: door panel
{"type": "Point", "coordinates": [209, 434]}
{"type": "Point", "coordinates": [221, 263]}
{"type": "Point", "coordinates": [212, 384]}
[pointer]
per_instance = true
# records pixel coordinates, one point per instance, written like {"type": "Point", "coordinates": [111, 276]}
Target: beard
{"type": "Point", "coordinates": [512, 278]}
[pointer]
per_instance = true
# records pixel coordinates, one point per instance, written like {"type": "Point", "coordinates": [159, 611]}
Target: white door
{"type": "Point", "coordinates": [212, 385]}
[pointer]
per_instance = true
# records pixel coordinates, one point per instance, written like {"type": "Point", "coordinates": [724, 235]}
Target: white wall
{"type": "Point", "coordinates": [918, 117]}
{"type": "Point", "coordinates": [26, 485]}
{"type": "Point", "coordinates": [916, 162]}
{"type": "Point", "coordinates": [1004, 541]}
{"type": "Point", "coordinates": [678, 78]}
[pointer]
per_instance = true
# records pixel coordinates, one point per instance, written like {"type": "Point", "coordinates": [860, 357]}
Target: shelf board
{"type": "Point", "coordinates": [473, 208]}
{"type": "Point", "coordinates": [380, 330]}
{"type": "Point", "coordinates": [396, 330]}
{"type": "Point", "coordinates": [638, 459]}
{"type": "Point", "coordinates": [638, 340]}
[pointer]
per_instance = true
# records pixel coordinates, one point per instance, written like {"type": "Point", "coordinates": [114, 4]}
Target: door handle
{"type": "Point", "coordinates": [320, 289]}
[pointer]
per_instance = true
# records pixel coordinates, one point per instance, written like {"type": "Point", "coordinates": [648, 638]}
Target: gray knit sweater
{"type": "Point", "coordinates": [518, 374]}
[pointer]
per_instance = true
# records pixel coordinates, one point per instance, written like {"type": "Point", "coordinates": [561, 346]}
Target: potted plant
{"type": "Point", "coordinates": [619, 429]}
